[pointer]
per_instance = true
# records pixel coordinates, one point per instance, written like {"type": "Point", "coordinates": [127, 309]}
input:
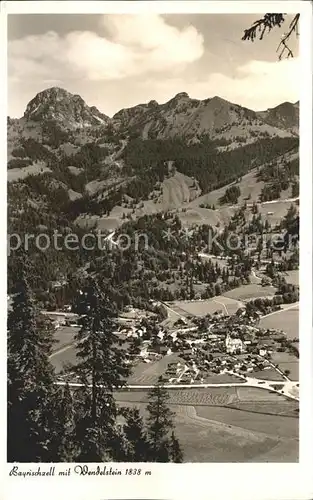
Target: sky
{"type": "Point", "coordinates": [118, 61]}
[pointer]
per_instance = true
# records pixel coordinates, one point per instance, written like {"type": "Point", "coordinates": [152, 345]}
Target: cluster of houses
{"type": "Point", "coordinates": [227, 344]}
{"type": "Point", "coordinates": [201, 349]}
{"type": "Point", "coordinates": [63, 318]}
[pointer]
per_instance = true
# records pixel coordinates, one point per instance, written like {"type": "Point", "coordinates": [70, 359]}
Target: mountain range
{"type": "Point", "coordinates": [181, 116]}
{"type": "Point", "coordinates": [67, 157]}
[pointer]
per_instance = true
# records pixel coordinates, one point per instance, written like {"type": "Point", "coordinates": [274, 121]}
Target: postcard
{"type": "Point", "coordinates": [159, 332]}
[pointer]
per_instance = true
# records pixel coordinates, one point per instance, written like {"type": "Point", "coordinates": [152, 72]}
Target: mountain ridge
{"type": "Point", "coordinates": [153, 154]}
{"type": "Point", "coordinates": [285, 115]}
{"type": "Point", "coordinates": [179, 116]}
{"type": "Point", "coordinates": [69, 171]}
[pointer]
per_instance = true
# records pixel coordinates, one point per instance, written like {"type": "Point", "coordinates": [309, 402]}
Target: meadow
{"type": "Point", "coordinates": [226, 305]}
{"type": "Point", "coordinates": [148, 373]}
{"type": "Point", "coordinates": [286, 320]}
{"type": "Point", "coordinates": [251, 291]}
{"type": "Point", "coordinates": [211, 429]}
{"type": "Point", "coordinates": [271, 374]}
{"type": "Point", "coordinates": [287, 361]}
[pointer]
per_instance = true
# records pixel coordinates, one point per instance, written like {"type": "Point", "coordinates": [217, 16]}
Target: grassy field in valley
{"type": "Point", "coordinates": [148, 373]}
{"type": "Point", "coordinates": [227, 305]}
{"type": "Point", "coordinates": [210, 432]}
{"type": "Point", "coordinates": [271, 374]}
{"type": "Point", "coordinates": [223, 378]}
{"type": "Point", "coordinates": [287, 361]}
{"type": "Point", "coordinates": [292, 277]}
{"type": "Point", "coordinates": [276, 425]}
{"type": "Point", "coordinates": [286, 320]}
{"type": "Point", "coordinates": [251, 291]}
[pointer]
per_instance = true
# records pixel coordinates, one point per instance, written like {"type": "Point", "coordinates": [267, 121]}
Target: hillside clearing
{"type": "Point", "coordinates": [200, 216]}
{"type": "Point", "coordinates": [177, 190]}
{"type": "Point", "coordinates": [16, 174]}
{"type": "Point", "coordinates": [251, 291]}
{"type": "Point", "coordinates": [227, 305]}
{"type": "Point", "coordinates": [249, 187]}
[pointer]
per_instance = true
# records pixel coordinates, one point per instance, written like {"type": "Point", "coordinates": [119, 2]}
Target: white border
{"type": "Point", "coordinates": [168, 7]}
{"type": "Point", "coordinates": [169, 481]}
{"type": "Point", "coordinates": [305, 275]}
{"type": "Point", "coordinates": [3, 250]}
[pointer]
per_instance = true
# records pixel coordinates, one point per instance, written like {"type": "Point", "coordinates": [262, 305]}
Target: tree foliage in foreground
{"type": "Point", "coordinates": [164, 444]}
{"type": "Point", "coordinates": [102, 368]}
{"type": "Point", "coordinates": [269, 22]}
{"type": "Point", "coordinates": [30, 377]}
{"type": "Point", "coordinates": [49, 423]}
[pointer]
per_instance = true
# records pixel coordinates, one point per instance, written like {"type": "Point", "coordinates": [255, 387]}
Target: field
{"type": "Point", "coordinates": [200, 216]}
{"type": "Point", "coordinates": [209, 430]}
{"type": "Point", "coordinates": [248, 186]}
{"type": "Point", "coordinates": [148, 373]}
{"type": "Point", "coordinates": [63, 351]}
{"type": "Point", "coordinates": [15, 174]}
{"type": "Point", "coordinates": [292, 277]}
{"type": "Point", "coordinates": [203, 307]}
{"type": "Point", "coordinates": [102, 223]}
{"type": "Point", "coordinates": [66, 355]}
{"type": "Point", "coordinates": [286, 408]}
{"type": "Point", "coordinates": [177, 190]}
{"type": "Point", "coordinates": [287, 361]}
{"type": "Point", "coordinates": [192, 396]}
{"type": "Point", "coordinates": [286, 320]}
{"type": "Point", "coordinates": [274, 211]}
{"type": "Point", "coordinates": [251, 291]}
{"type": "Point", "coordinates": [73, 195]}
{"type": "Point", "coordinates": [271, 374]}
{"type": "Point", "coordinates": [293, 367]}
{"type": "Point", "coordinates": [223, 378]}
{"type": "Point", "coordinates": [213, 396]}
{"type": "Point", "coordinates": [277, 425]}
{"type": "Point", "coordinates": [64, 336]}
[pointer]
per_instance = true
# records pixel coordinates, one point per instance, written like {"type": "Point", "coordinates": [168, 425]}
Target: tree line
{"type": "Point", "coordinates": [48, 422]}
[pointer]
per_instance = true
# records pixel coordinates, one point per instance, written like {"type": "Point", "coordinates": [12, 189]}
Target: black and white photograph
{"type": "Point", "coordinates": [153, 213]}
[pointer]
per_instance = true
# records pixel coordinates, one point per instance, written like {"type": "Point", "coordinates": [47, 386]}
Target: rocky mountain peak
{"type": "Point", "coordinates": [181, 95]}
{"type": "Point", "coordinates": [68, 109]}
{"type": "Point", "coordinates": [153, 104]}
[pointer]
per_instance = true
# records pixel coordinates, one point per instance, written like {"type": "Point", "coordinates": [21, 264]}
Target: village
{"type": "Point", "coordinates": [215, 348]}
{"type": "Point", "coordinates": [212, 345]}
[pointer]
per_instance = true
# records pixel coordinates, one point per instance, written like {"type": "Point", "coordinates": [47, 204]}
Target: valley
{"type": "Point", "coordinates": [186, 218]}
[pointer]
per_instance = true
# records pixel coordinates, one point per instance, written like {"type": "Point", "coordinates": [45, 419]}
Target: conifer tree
{"type": "Point", "coordinates": [176, 451]}
{"type": "Point", "coordinates": [102, 368]}
{"type": "Point", "coordinates": [90, 438]}
{"type": "Point", "coordinates": [63, 443]}
{"type": "Point", "coordinates": [30, 376]}
{"type": "Point", "coordinates": [159, 423]}
{"type": "Point", "coordinates": [137, 445]}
